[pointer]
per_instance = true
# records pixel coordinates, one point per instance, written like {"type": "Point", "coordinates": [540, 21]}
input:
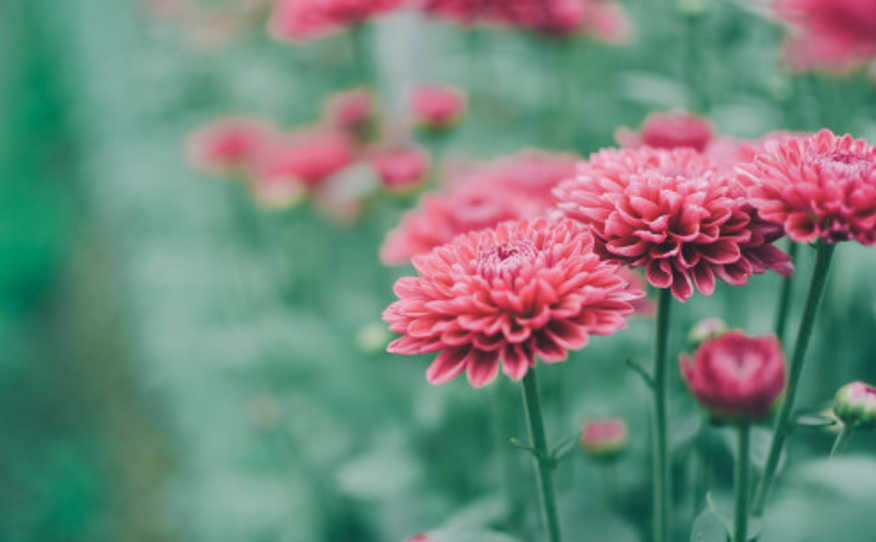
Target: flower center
{"type": "Point", "coordinates": [505, 259]}
{"type": "Point", "coordinates": [846, 164]}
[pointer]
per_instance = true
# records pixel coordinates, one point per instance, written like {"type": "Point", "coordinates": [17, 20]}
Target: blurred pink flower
{"type": "Point", "coordinates": [604, 438]}
{"type": "Point", "coordinates": [676, 214]}
{"type": "Point", "coordinates": [351, 111]}
{"type": "Point", "coordinates": [304, 20]}
{"type": "Point", "coordinates": [516, 186]}
{"type": "Point", "coordinates": [855, 405]}
{"type": "Point", "coordinates": [419, 538]}
{"type": "Point", "coordinates": [736, 377]}
{"type": "Point", "coordinates": [401, 169]}
{"type": "Point", "coordinates": [310, 156]}
{"type": "Point", "coordinates": [668, 131]}
{"type": "Point", "coordinates": [822, 186]}
{"type": "Point", "coordinates": [227, 145]}
{"type": "Point", "coordinates": [831, 35]}
{"type": "Point", "coordinates": [437, 106]}
{"type": "Point", "coordinates": [523, 290]}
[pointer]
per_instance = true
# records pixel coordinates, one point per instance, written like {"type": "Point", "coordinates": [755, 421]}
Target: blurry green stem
{"type": "Point", "coordinates": [662, 492]}
{"type": "Point", "coordinates": [743, 475]}
{"type": "Point", "coordinates": [362, 68]}
{"type": "Point", "coordinates": [841, 440]}
{"type": "Point", "coordinates": [785, 421]}
{"type": "Point", "coordinates": [785, 297]}
{"type": "Point", "coordinates": [544, 464]}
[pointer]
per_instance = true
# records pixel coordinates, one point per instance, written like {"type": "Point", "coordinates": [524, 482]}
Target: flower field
{"type": "Point", "coordinates": [437, 270]}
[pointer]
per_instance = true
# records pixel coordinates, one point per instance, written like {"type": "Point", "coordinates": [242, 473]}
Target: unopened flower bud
{"type": "Point", "coordinates": [855, 405]}
{"type": "Point", "coordinates": [704, 330]}
{"type": "Point", "coordinates": [437, 107]}
{"type": "Point", "coordinates": [604, 438]}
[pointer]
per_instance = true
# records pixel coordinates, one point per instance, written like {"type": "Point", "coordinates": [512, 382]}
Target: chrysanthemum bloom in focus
{"type": "Point", "coordinates": [504, 296]}
{"type": "Point", "coordinates": [818, 187]}
{"type": "Point", "coordinates": [669, 131]}
{"type": "Point", "coordinates": [352, 112]}
{"type": "Point", "coordinates": [735, 377]}
{"type": "Point", "coordinates": [676, 214]}
{"type": "Point", "coordinates": [855, 405]}
{"type": "Point", "coordinates": [401, 169]}
{"type": "Point", "coordinates": [480, 196]}
{"type": "Point", "coordinates": [437, 107]}
{"type": "Point", "coordinates": [604, 438]}
{"type": "Point", "coordinates": [831, 35]}
{"type": "Point", "coordinates": [227, 145]}
{"type": "Point", "coordinates": [304, 20]}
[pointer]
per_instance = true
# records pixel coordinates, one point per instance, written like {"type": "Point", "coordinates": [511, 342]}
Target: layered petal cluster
{"type": "Point", "coordinates": [517, 186]}
{"type": "Point", "coordinates": [305, 20]}
{"type": "Point", "coordinates": [227, 145]}
{"type": "Point", "coordinates": [830, 35]}
{"type": "Point", "coordinates": [736, 377]}
{"type": "Point", "coordinates": [504, 296]}
{"type": "Point", "coordinates": [675, 213]}
{"type": "Point", "coordinates": [817, 187]}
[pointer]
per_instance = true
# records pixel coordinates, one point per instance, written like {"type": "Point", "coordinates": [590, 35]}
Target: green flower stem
{"type": "Point", "coordinates": [785, 297]}
{"type": "Point", "coordinates": [743, 475]}
{"type": "Point", "coordinates": [784, 421]}
{"type": "Point", "coordinates": [841, 440]}
{"type": "Point", "coordinates": [542, 460]}
{"type": "Point", "coordinates": [662, 489]}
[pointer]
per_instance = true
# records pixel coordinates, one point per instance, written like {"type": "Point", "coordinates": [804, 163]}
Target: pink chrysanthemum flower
{"type": "Point", "coordinates": [823, 186]}
{"type": "Point", "coordinates": [736, 377]}
{"type": "Point", "coordinates": [227, 145]}
{"type": "Point", "coordinates": [401, 169]}
{"type": "Point", "coordinates": [303, 20]}
{"type": "Point", "coordinates": [437, 106]}
{"type": "Point", "coordinates": [832, 35]}
{"type": "Point", "coordinates": [505, 296]}
{"type": "Point", "coordinates": [513, 187]}
{"type": "Point", "coordinates": [676, 214]}
{"type": "Point", "coordinates": [310, 156]}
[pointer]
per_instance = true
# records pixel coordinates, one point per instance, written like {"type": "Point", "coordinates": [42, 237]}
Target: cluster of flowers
{"type": "Point", "coordinates": [604, 20]}
{"type": "Point", "coordinates": [828, 35]}
{"type": "Point", "coordinates": [283, 167]}
{"type": "Point", "coordinates": [543, 279]}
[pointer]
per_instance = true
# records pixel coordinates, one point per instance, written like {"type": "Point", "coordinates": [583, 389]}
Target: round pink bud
{"type": "Point", "coordinates": [671, 130]}
{"type": "Point", "coordinates": [735, 377]}
{"type": "Point", "coordinates": [604, 438]}
{"type": "Point", "coordinates": [437, 107]}
{"type": "Point", "coordinates": [855, 405]}
{"type": "Point", "coordinates": [401, 169]}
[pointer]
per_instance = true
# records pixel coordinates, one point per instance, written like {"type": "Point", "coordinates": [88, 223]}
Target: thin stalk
{"type": "Point", "coordinates": [784, 421]}
{"type": "Point", "coordinates": [743, 475]}
{"type": "Point", "coordinates": [662, 489]}
{"type": "Point", "coordinates": [841, 440]}
{"type": "Point", "coordinates": [785, 297]}
{"type": "Point", "coordinates": [542, 460]}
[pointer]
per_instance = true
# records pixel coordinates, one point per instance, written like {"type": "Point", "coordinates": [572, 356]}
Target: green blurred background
{"type": "Point", "coordinates": [176, 365]}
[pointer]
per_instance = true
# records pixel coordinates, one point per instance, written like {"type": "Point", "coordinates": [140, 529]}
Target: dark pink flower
{"type": "Point", "coordinates": [310, 156]}
{"type": "Point", "coordinates": [833, 35]}
{"type": "Point", "coordinates": [675, 213]}
{"type": "Point", "coordinates": [437, 106]}
{"type": "Point", "coordinates": [604, 438]}
{"type": "Point", "coordinates": [505, 296]}
{"type": "Point", "coordinates": [735, 376]}
{"type": "Point", "coordinates": [401, 169]}
{"type": "Point", "coordinates": [303, 20]}
{"type": "Point", "coordinates": [513, 187]}
{"type": "Point", "coordinates": [669, 131]}
{"type": "Point", "coordinates": [351, 111]}
{"type": "Point", "coordinates": [227, 145]}
{"type": "Point", "coordinates": [822, 186]}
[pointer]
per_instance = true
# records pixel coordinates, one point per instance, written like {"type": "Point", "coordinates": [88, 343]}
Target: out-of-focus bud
{"type": "Point", "coordinates": [419, 538]}
{"type": "Point", "coordinates": [669, 131]}
{"type": "Point", "coordinates": [437, 107]}
{"type": "Point", "coordinates": [402, 169]}
{"type": "Point", "coordinates": [373, 337]}
{"type": "Point", "coordinates": [227, 145]}
{"type": "Point", "coordinates": [855, 405]}
{"type": "Point", "coordinates": [604, 438]}
{"type": "Point", "coordinates": [264, 412]}
{"type": "Point", "coordinates": [353, 112]}
{"type": "Point", "coordinates": [735, 377]}
{"type": "Point", "coordinates": [705, 330]}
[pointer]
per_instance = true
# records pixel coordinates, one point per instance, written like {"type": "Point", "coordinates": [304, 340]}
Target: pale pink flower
{"type": "Point", "coordinates": [822, 186]}
{"type": "Point", "coordinates": [669, 131]}
{"type": "Point", "coordinates": [227, 145]}
{"type": "Point", "coordinates": [419, 538]}
{"type": "Point", "coordinates": [351, 111]}
{"type": "Point", "coordinates": [401, 169]}
{"type": "Point", "coordinates": [506, 296]}
{"type": "Point", "coordinates": [736, 377]}
{"type": "Point", "coordinates": [304, 20]}
{"type": "Point", "coordinates": [308, 155]}
{"type": "Point", "coordinates": [437, 106]}
{"type": "Point", "coordinates": [675, 213]}
{"type": "Point", "coordinates": [604, 438]}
